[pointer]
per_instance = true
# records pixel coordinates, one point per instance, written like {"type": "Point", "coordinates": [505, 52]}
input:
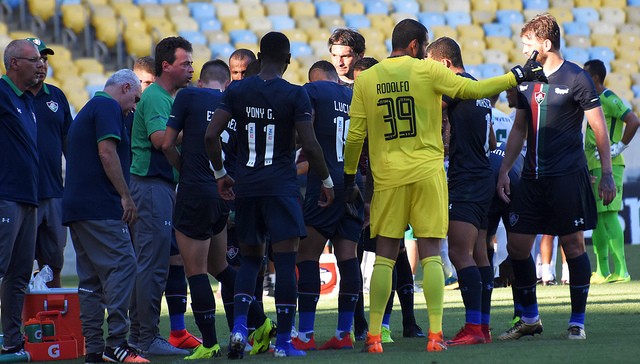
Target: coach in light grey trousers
{"type": "Point", "coordinates": [97, 206]}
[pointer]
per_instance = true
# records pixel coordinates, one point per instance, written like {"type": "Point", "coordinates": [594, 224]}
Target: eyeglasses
{"type": "Point", "coordinates": [33, 59]}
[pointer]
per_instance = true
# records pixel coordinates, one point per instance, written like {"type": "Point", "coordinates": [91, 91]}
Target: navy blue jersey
{"type": "Point", "coordinates": [54, 118]}
{"type": "Point", "coordinates": [88, 192]}
{"type": "Point", "coordinates": [191, 113]}
{"type": "Point", "coordinates": [495, 159]}
{"type": "Point", "coordinates": [18, 145]}
{"type": "Point", "coordinates": [554, 116]}
{"type": "Point", "coordinates": [468, 147]}
{"type": "Point", "coordinates": [128, 122]}
{"type": "Point", "coordinates": [330, 102]}
{"type": "Point", "coordinates": [265, 112]}
{"type": "Point", "coordinates": [228, 141]}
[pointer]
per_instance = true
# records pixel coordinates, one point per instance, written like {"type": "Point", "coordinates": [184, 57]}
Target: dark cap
{"type": "Point", "coordinates": [41, 46]}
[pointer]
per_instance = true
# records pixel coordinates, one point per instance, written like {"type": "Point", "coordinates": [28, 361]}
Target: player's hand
{"type": "Point", "coordinates": [225, 190]}
{"type": "Point", "coordinates": [606, 188]}
{"type": "Point", "coordinates": [531, 71]}
{"type": "Point", "coordinates": [503, 188]}
{"type": "Point", "coordinates": [130, 214]}
{"type": "Point", "coordinates": [327, 195]}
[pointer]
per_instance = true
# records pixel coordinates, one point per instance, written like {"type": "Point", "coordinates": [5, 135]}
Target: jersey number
{"type": "Point", "coordinates": [270, 132]}
{"type": "Point", "coordinates": [342, 128]}
{"type": "Point", "coordinates": [403, 109]}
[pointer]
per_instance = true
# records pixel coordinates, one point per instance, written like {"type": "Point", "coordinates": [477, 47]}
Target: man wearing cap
{"type": "Point", "coordinates": [18, 185]}
{"type": "Point", "coordinates": [54, 118]}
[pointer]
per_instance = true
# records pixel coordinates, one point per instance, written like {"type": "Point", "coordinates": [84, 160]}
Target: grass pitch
{"type": "Point", "coordinates": [612, 326]}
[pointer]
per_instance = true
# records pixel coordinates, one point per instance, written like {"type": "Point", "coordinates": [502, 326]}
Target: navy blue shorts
{"type": "Point", "coordinates": [200, 218]}
{"type": "Point", "coordinates": [279, 217]}
{"type": "Point", "coordinates": [469, 200]}
{"type": "Point", "coordinates": [558, 205]}
{"type": "Point", "coordinates": [333, 221]}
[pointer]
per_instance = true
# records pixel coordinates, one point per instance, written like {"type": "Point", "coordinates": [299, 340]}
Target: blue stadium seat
{"type": "Point", "coordinates": [63, 2]}
{"type": "Point", "coordinates": [429, 19]}
{"type": "Point", "coordinates": [405, 6]}
{"type": "Point", "coordinates": [243, 36]}
{"type": "Point", "coordinates": [585, 15]}
{"type": "Point", "coordinates": [195, 37]}
{"type": "Point", "coordinates": [536, 4]}
{"type": "Point", "coordinates": [605, 54]}
{"type": "Point", "coordinates": [636, 91]}
{"type": "Point", "coordinates": [143, 2]}
{"type": "Point", "coordinates": [575, 54]}
{"type": "Point", "coordinates": [455, 18]}
{"type": "Point", "coordinates": [376, 7]}
{"type": "Point", "coordinates": [509, 16]}
{"type": "Point", "coordinates": [221, 50]}
{"type": "Point", "coordinates": [474, 70]}
{"type": "Point", "coordinates": [324, 8]}
{"type": "Point", "coordinates": [209, 24]}
{"type": "Point", "coordinates": [301, 49]}
{"type": "Point", "coordinates": [281, 22]}
{"type": "Point", "coordinates": [357, 21]}
{"type": "Point", "coordinates": [496, 29]}
{"type": "Point", "coordinates": [201, 11]}
{"type": "Point", "coordinates": [576, 28]}
{"type": "Point", "coordinates": [169, 2]}
{"type": "Point", "coordinates": [489, 70]}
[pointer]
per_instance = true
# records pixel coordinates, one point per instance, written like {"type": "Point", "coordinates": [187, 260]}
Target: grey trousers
{"type": "Point", "coordinates": [17, 247]}
{"type": "Point", "coordinates": [106, 266]}
{"type": "Point", "coordinates": [152, 241]}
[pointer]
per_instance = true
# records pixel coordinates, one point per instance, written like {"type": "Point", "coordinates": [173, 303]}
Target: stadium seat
{"type": "Point", "coordinates": [585, 15]}
{"type": "Point", "coordinates": [509, 17]}
{"type": "Point", "coordinates": [229, 24]}
{"type": "Point", "coordinates": [44, 9]}
{"type": "Point", "coordinates": [127, 10]}
{"type": "Point", "coordinates": [491, 70]}
{"type": "Point", "coordinates": [376, 7]}
{"type": "Point", "coordinates": [485, 5]}
{"type": "Point", "coordinates": [633, 14]}
{"type": "Point", "coordinates": [217, 36]}
{"type": "Point", "coordinates": [496, 29]}
{"type": "Point", "coordinates": [562, 15]}
{"type": "Point", "coordinates": [382, 22]}
{"type": "Point", "coordinates": [576, 28]}
{"type": "Point", "coordinates": [469, 46]}
{"type": "Point", "coordinates": [618, 4]}
{"type": "Point", "coordinates": [372, 36]}
{"type": "Point", "coordinates": [470, 31]}
{"type": "Point", "coordinates": [281, 22]}
{"type": "Point", "coordinates": [605, 54]}
{"type": "Point", "coordinates": [432, 5]}
{"type": "Point", "coordinates": [92, 89]}
{"type": "Point", "coordinates": [89, 65]}
{"type": "Point", "coordinates": [328, 8]}
{"type": "Point", "coordinates": [295, 35]}
{"type": "Point", "coordinates": [567, 4]}
{"type": "Point", "coordinates": [630, 54]}
{"type": "Point", "coordinates": [606, 40]}
{"type": "Point", "coordinates": [200, 11]}
{"type": "Point", "coordinates": [201, 51]}
{"type": "Point", "coordinates": [442, 31]}
{"type": "Point", "coordinates": [589, 3]}
{"type": "Point", "coordinates": [139, 45]}
{"type": "Point", "coordinates": [510, 5]}
{"type": "Point", "coordinates": [332, 22]}
{"type": "Point", "coordinates": [300, 49]}
{"type": "Point", "coordinates": [242, 36]}
{"type": "Point", "coordinates": [176, 10]}
{"type": "Point", "coordinates": [352, 7]}
{"type": "Point", "coordinates": [473, 58]}
{"type": "Point", "coordinates": [283, 8]}
{"type": "Point", "coordinates": [249, 12]}
{"type": "Point", "coordinates": [636, 91]}
{"type": "Point", "coordinates": [624, 66]}
{"type": "Point", "coordinates": [500, 43]}
{"type": "Point", "coordinates": [357, 21]}
{"type": "Point", "coordinates": [405, 6]}
{"type": "Point", "coordinates": [107, 30]}
{"type": "Point", "coordinates": [307, 22]}
{"type": "Point", "coordinates": [575, 54]}
{"type": "Point", "coordinates": [580, 41]}
{"type": "Point", "coordinates": [74, 17]}
{"type": "Point", "coordinates": [151, 11]}
{"type": "Point", "coordinates": [429, 19]}
{"type": "Point", "coordinates": [495, 56]}
{"type": "Point", "coordinates": [193, 36]}
{"type": "Point", "coordinates": [613, 15]}
{"type": "Point", "coordinates": [298, 9]}
{"type": "Point", "coordinates": [603, 27]}
{"type": "Point", "coordinates": [536, 4]}
{"type": "Point", "coordinates": [185, 23]}
{"type": "Point", "coordinates": [206, 25]}
{"type": "Point", "coordinates": [459, 5]}
{"type": "Point", "coordinates": [319, 34]}
{"type": "Point", "coordinates": [617, 81]}
{"type": "Point", "coordinates": [455, 18]}
{"type": "Point", "coordinates": [481, 17]}
{"type": "Point", "coordinates": [227, 10]}
{"type": "Point", "coordinates": [221, 50]}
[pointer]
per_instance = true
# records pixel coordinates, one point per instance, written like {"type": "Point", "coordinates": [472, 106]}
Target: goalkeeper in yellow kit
{"type": "Point", "coordinates": [398, 104]}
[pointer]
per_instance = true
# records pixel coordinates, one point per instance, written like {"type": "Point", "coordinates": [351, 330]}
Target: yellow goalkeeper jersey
{"type": "Point", "coordinates": [398, 104]}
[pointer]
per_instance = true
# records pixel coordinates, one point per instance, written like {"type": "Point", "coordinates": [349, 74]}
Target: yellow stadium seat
{"type": "Point", "coordinates": [568, 4]}
{"type": "Point", "coordinates": [633, 14]}
{"type": "Point", "coordinates": [378, 51]}
{"type": "Point", "coordinates": [596, 4]}
{"type": "Point", "coordinates": [227, 10]}
{"type": "Point", "coordinates": [470, 45]}
{"type": "Point", "coordinates": [332, 21]}
{"type": "Point", "coordinates": [470, 31]}
{"type": "Point", "coordinates": [4, 30]}
{"type": "Point", "coordinates": [260, 26]}
{"type": "Point", "coordinates": [372, 36]}
{"type": "Point", "coordinates": [432, 5]}
{"type": "Point", "coordinates": [581, 41]}
{"type": "Point", "coordinates": [500, 43]}
{"type": "Point", "coordinates": [77, 97]}
{"type": "Point", "coordinates": [295, 35]}
{"type": "Point", "coordinates": [254, 47]}
{"type": "Point", "coordinates": [74, 17]}
{"type": "Point", "coordinates": [97, 2]}
{"type": "Point", "coordinates": [151, 11]}
{"type": "Point", "coordinates": [605, 40]}
{"type": "Point", "coordinates": [160, 28]}
{"type": "Point", "coordinates": [617, 80]}
{"type": "Point", "coordinates": [612, 15]}
{"type": "Point", "coordinates": [64, 70]}
{"type": "Point", "coordinates": [176, 10]}
{"type": "Point", "coordinates": [92, 78]}
{"type": "Point", "coordinates": [217, 36]}
{"type": "Point", "coordinates": [307, 22]}
{"type": "Point", "coordinates": [300, 9]}
{"type": "Point", "coordinates": [635, 103]}
{"type": "Point", "coordinates": [127, 10]}
{"type": "Point", "coordinates": [495, 56]}
{"type": "Point", "coordinates": [135, 26]}
{"type": "Point", "coordinates": [628, 40]}
{"type": "Point", "coordinates": [629, 28]}
{"type": "Point", "coordinates": [319, 34]}
{"type": "Point", "coordinates": [116, 2]}
{"type": "Point", "coordinates": [44, 9]}
{"type": "Point", "coordinates": [480, 17]}
{"type": "Point", "coordinates": [107, 30]}
{"type": "Point", "coordinates": [229, 24]}
{"type": "Point", "coordinates": [249, 12]}
{"type": "Point", "coordinates": [561, 14]}
{"type": "Point", "coordinates": [509, 5]}
{"type": "Point", "coordinates": [620, 4]}
{"type": "Point", "coordinates": [443, 31]}
{"type": "Point", "coordinates": [184, 23]}
{"type": "Point", "coordinates": [319, 47]}
{"type": "Point", "coordinates": [531, 13]}
{"type": "Point", "coordinates": [201, 51]}
{"type": "Point", "coordinates": [352, 7]}
{"type": "Point", "coordinates": [624, 66]}
{"type": "Point", "coordinates": [283, 9]}
{"type": "Point", "coordinates": [473, 58]}
{"type": "Point", "coordinates": [246, 2]}
{"type": "Point", "coordinates": [383, 23]}
{"type": "Point", "coordinates": [397, 17]}
{"type": "Point", "coordinates": [459, 5]}
{"type": "Point", "coordinates": [602, 27]}
{"type": "Point", "coordinates": [627, 53]}
{"type": "Point", "coordinates": [19, 34]}
{"type": "Point", "coordinates": [139, 45]}
{"type": "Point", "coordinates": [62, 53]}
{"type": "Point", "coordinates": [516, 56]}
{"type": "Point", "coordinates": [486, 5]}
{"type": "Point", "coordinates": [89, 65]}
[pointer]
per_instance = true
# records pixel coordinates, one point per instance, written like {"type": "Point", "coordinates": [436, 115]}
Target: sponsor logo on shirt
{"type": "Point", "coordinates": [561, 91]}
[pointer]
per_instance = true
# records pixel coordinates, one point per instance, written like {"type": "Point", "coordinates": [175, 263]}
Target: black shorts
{"type": "Point", "coordinates": [558, 205]}
{"type": "Point", "coordinates": [200, 218]}
{"type": "Point", "coordinates": [475, 213]}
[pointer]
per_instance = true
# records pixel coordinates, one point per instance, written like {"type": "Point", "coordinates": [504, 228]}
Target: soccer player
{"type": "Point", "coordinates": [398, 104]}
{"type": "Point", "coordinates": [330, 102]}
{"type": "Point", "coordinates": [622, 124]}
{"type": "Point", "coordinates": [347, 47]}
{"type": "Point", "coordinates": [54, 118]}
{"type": "Point", "coordinates": [554, 194]}
{"type": "Point", "coordinates": [471, 188]}
{"type": "Point", "coordinates": [98, 208]}
{"type": "Point", "coordinates": [239, 61]}
{"type": "Point", "coordinates": [18, 185]}
{"type": "Point", "coordinates": [268, 111]}
{"type": "Point", "coordinates": [153, 184]}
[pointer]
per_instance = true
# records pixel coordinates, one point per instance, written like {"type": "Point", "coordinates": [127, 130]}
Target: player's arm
{"type": "Point", "coordinates": [493, 143]}
{"type": "Point", "coordinates": [314, 155]}
{"type": "Point", "coordinates": [515, 142]}
{"type": "Point", "coordinates": [631, 124]}
{"type": "Point", "coordinates": [169, 147]}
{"type": "Point", "coordinates": [214, 152]}
{"type": "Point", "coordinates": [111, 165]}
{"type": "Point", "coordinates": [606, 187]}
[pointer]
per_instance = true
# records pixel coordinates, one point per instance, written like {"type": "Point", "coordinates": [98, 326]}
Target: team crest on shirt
{"type": "Point", "coordinates": [232, 252]}
{"type": "Point", "coordinates": [53, 106]}
{"type": "Point", "coordinates": [513, 219]}
{"type": "Point", "coordinates": [539, 96]}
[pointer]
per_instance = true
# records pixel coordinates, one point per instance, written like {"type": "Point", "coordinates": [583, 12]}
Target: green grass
{"type": "Point", "coordinates": [613, 329]}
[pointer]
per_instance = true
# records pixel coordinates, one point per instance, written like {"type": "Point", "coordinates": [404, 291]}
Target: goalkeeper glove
{"type": "Point", "coordinates": [616, 149]}
{"type": "Point", "coordinates": [531, 71]}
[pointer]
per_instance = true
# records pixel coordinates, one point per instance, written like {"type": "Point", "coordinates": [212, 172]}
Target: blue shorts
{"type": "Point", "coordinates": [200, 218]}
{"type": "Point", "coordinates": [279, 217]}
{"type": "Point", "coordinates": [333, 221]}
